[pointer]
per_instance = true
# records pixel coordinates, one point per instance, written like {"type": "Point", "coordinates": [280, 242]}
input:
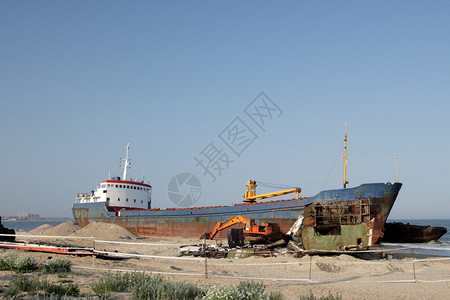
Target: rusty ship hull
{"type": "Point", "coordinates": [379, 199]}
{"type": "Point", "coordinates": [397, 232]}
{"type": "Point", "coordinates": [192, 222]}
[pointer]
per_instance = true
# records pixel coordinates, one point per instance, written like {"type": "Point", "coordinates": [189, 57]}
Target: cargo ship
{"type": "Point", "coordinates": [127, 202]}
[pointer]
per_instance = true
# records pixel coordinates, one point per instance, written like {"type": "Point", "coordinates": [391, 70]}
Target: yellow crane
{"type": "Point", "coordinates": [250, 194]}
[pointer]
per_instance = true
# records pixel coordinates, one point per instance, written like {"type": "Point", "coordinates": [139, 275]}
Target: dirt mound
{"type": "Point", "coordinates": [104, 231]}
{"type": "Point", "coordinates": [63, 229]}
{"type": "Point", "coordinates": [41, 229]}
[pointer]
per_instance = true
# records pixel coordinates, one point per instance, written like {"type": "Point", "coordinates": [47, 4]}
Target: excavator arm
{"type": "Point", "coordinates": [225, 224]}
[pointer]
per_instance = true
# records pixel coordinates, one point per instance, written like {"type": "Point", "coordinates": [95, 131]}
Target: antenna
{"type": "Point", "coordinates": [396, 167]}
{"type": "Point", "coordinates": [345, 157]}
{"type": "Point", "coordinates": [125, 163]}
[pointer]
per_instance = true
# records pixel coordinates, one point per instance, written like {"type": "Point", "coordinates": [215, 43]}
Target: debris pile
{"type": "Point", "coordinates": [4, 230]}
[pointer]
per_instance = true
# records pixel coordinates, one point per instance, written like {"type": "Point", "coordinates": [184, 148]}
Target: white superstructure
{"type": "Point", "coordinates": [120, 193]}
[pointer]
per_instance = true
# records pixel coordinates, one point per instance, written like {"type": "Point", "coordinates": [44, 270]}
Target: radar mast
{"type": "Point", "coordinates": [125, 163]}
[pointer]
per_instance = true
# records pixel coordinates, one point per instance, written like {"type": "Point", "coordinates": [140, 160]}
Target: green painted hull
{"type": "Point", "coordinates": [349, 237]}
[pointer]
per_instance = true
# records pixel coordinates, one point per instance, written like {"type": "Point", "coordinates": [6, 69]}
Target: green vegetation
{"type": "Point", "coordinates": [20, 264]}
{"type": "Point", "coordinates": [26, 264]}
{"type": "Point", "coordinates": [244, 291]}
{"type": "Point", "coordinates": [221, 291]}
{"type": "Point", "coordinates": [10, 261]}
{"type": "Point", "coordinates": [140, 285]}
{"type": "Point", "coordinates": [145, 287]}
{"type": "Point", "coordinates": [22, 283]}
{"type": "Point", "coordinates": [118, 282]}
{"type": "Point", "coordinates": [329, 297]}
{"type": "Point", "coordinates": [57, 265]}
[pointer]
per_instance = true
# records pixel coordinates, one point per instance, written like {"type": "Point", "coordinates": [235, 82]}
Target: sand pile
{"type": "Point", "coordinates": [63, 229]}
{"type": "Point", "coordinates": [41, 229]}
{"type": "Point", "coordinates": [104, 231]}
{"type": "Point", "coordinates": [99, 230]}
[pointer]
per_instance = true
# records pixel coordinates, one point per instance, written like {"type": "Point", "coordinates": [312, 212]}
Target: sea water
{"type": "Point", "coordinates": [30, 225]}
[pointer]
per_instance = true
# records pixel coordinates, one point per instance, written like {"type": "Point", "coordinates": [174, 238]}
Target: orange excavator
{"type": "Point", "coordinates": [253, 233]}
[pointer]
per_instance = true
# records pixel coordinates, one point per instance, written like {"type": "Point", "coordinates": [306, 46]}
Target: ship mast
{"type": "Point", "coordinates": [125, 163]}
{"type": "Point", "coordinates": [345, 157]}
{"type": "Point", "coordinates": [396, 167]}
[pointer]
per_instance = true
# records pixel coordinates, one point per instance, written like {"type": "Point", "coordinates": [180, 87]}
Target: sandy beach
{"type": "Point", "coordinates": [399, 277]}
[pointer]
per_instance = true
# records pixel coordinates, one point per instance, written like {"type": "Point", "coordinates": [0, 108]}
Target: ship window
{"type": "Point", "coordinates": [142, 201]}
{"type": "Point", "coordinates": [104, 191]}
{"type": "Point", "coordinates": [117, 186]}
{"type": "Point", "coordinates": [120, 186]}
{"type": "Point", "coordinates": [127, 199]}
{"type": "Point", "coordinates": [118, 199]}
{"type": "Point", "coordinates": [134, 200]}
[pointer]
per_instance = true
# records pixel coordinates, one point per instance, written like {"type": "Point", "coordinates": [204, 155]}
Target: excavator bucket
{"type": "Point", "coordinates": [205, 236]}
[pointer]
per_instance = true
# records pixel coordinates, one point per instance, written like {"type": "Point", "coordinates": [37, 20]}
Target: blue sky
{"type": "Point", "coordinates": [80, 79]}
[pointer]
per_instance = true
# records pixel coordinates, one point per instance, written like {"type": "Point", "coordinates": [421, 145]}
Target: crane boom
{"type": "Point", "coordinates": [250, 194]}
